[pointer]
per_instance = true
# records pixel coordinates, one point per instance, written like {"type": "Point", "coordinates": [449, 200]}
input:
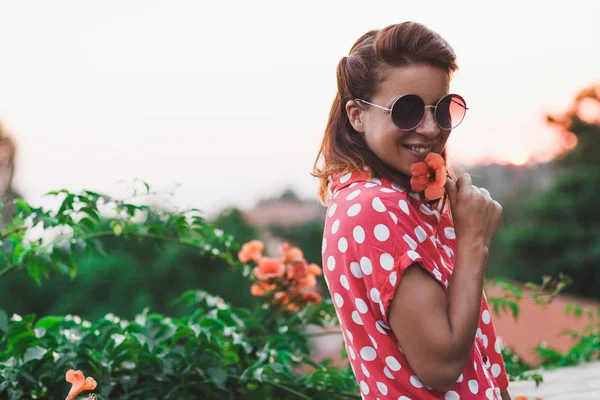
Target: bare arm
{"type": "Point", "coordinates": [437, 332]}
{"type": "Point", "coordinates": [505, 395]}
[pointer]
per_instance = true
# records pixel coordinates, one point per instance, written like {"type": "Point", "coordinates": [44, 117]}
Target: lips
{"type": "Point", "coordinates": [418, 151]}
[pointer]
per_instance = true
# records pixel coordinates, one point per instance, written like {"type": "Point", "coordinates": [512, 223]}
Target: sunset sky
{"type": "Point", "coordinates": [230, 98]}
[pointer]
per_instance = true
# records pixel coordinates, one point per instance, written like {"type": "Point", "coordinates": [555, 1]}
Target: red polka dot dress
{"type": "Point", "coordinates": [374, 231]}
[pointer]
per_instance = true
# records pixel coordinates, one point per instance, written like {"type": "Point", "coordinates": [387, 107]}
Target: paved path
{"type": "Point", "coordinates": [579, 383]}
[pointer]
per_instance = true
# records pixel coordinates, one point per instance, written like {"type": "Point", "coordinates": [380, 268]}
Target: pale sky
{"type": "Point", "coordinates": [230, 98]}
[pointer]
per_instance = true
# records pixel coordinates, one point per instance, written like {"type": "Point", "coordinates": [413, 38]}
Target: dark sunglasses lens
{"type": "Point", "coordinates": [408, 111]}
{"type": "Point", "coordinates": [450, 111]}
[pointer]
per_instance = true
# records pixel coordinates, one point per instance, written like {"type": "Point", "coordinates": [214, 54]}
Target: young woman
{"type": "Point", "coordinates": [405, 247]}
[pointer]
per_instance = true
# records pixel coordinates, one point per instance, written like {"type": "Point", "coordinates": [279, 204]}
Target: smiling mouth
{"type": "Point", "coordinates": [418, 149]}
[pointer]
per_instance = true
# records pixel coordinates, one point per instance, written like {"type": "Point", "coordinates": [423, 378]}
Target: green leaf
{"type": "Point", "coordinates": [118, 229]}
{"type": "Point", "coordinates": [34, 353]}
{"type": "Point", "coordinates": [3, 321]}
{"type": "Point", "coordinates": [22, 206]}
{"type": "Point", "coordinates": [49, 321]}
{"type": "Point", "coordinates": [218, 376]}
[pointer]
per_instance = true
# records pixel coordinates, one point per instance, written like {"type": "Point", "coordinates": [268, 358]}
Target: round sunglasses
{"type": "Point", "coordinates": [408, 111]}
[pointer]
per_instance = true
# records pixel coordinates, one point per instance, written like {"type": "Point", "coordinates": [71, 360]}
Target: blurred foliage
{"type": "Point", "coordinates": [559, 230]}
{"type": "Point", "coordinates": [213, 350]}
{"type": "Point", "coordinates": [130, 275]}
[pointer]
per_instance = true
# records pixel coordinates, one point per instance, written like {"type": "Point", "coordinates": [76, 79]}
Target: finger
{"type": "Point", "coordinates": [451, 191]}
{"type": "Point", "coordinates": [464, 182]}
{"type": "Point", "coordinates": [485, 193]}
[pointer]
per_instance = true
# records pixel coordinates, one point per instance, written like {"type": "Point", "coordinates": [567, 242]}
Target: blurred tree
{"type": "Point", "coordinates": [559, 230]}
{"type": "Point", "coordinates": [131, 276]}
{"type": "Point", "coordinates": [7, 170]}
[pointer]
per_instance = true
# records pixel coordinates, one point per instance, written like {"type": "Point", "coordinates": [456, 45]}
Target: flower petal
{"type": "Point", "coordinates": [419, 168]}
{"type": "Point", "coordinates": [434, 160]}
{"type": "Point", "coordinates": [434, 191]}
{"type": "Point", "coordinates": [419, 183]}
{"type": "Point", "coordinates": [90, 383]}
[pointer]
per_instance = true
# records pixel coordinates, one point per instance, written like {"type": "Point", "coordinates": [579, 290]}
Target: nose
{"type": "Point", "coordinates": [428, 127]}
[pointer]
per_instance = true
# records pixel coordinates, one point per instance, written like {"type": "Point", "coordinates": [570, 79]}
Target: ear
{"type": "Point", "coordinates": [355, 115]}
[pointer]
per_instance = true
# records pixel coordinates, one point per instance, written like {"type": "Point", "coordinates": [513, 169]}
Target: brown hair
{"type": "Point", "coordinates": [358, 76]}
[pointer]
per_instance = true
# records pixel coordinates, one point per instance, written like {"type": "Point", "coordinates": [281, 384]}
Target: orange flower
{"type": "Point", "coordinates": [315, 270]}
{"type": "Point", "coordinates": [311, 297]}
{"type": "Point", "coordinates": [251, 251]}
{"type": "Point", "coordinates": [79, 383]}
{"type": "Point", "coordinates": [307, 282]}
{"type": "Point", "coordinates": [291, 254]}
{"type": "Point", "coordinates": [269, 268]}
{"type": "Point", "coordinates": [261, 288]}
{"type": "Point", "coordinates": [282, 297]}
{"type": "Point", "coordinates": [429, 176]}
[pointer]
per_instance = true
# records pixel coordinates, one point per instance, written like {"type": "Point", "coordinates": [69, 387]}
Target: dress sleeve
{"type": "Point", "coordinates": [385, 237]}
{"type": "Point", "coordinates": [492, 346]}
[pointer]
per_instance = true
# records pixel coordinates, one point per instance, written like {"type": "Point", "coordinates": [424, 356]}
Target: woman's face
{"type": "Point", "coordinates": [393, 146]}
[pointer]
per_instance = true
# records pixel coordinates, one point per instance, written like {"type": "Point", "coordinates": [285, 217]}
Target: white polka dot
{"type": "Point", "coordinates": [382, 232]}
{"type": "Point", "coordinates": [449, 232]}
{"type": "Point", "coordinates": [331, 263]}
{"type": "Point", "coordinates": [460, 378]}
{"type": "Point", "coordinates": [335, 226]}
{"type": "Point", "coordinates": [420, 234]}
{"type": "Point", "coordinates": [386, 261]}
{"type": "Point", "coordinates": [393, 278]}
{"type": "Point", "coordinates": [498, 393]}
{"type": "Point", "coordinates": [489, 393]}
{"type": "Point", "coordinates": [323, 246]}
{"type": "Point", "coordinates": [344, 282]}
{"type": "Point", "coordinates": [451, 395]}
{"type": "Point", "coordinates": [356, 318]}
{"type": "Point", "coordinates": [387, 190]}
{"type": "Point", "coordinates": [473, 386]}
{"type": "Point", "coordinates": [394, 218]}
{"type": "Point", "coordinates": [368, 353]}
{"type": "Point", "coordinates": [413, 255]}
{"type": "Point", "coordinates": [497, 346]}
{"type": "Point", "coordinates": [332, 209]}
{"type": "Point", "coordinates": [355, 269]}
{"type": "Point", "coordinates": [375, 295]}
{"type": "Point", "coordinates": [346, 178]}
{"type": "Point", "coordinates": [361, 306]}
{"type": "Point", "coordinates": [432, 238]}
{"type": "Point", "coordinates": [448, 251]}
{"type": "Point", "coordinates": [485, 340]}
{"type": "Point", "coordinates": [393, 363]}
{"type": "Point", "coordinates": [387, 373]}
{"type": "Point", "coordinates": [486, 317]}
{"type": "Point", "coordinates": [478, 333]}
{"type": "Point", "coordinates": [382, 388]}
{"type": "Point", "coordinates": [365, 370]}
{"type": "Point", "coordinates": [353, 184]}
{"type": "Point", "coordinates": [415, 196]}
{"type": "Point", "coordinates": [410, 242]}
{"type": "Point", "coordinates": [375, 180]}
{"type": "Point", "coordinates": [343, 245]}
{"type": "Point", "coordinates": [366, 266]}
{"type": "Point", "coordinates": [398, 187]}
{"type": "Point", "coordinates": [351, 353]}
{"type": "Point", "coordinates": [350, 335]}
{"type": "Point", "coordinates": [380, 329]}
{"type": "Point", "coordinates": [364, 388]}
{"type": "Point", "coordinates": [403, 206]}
{"type": "Point", "coordinates": [359, 234]}
{"type": "Point", "coordinates": [443, 262]}
{"type": "Point", "coordinates": [354, 210]}
{"type": "Point", "coordinates": [425, 210]}
{"type": "Point", "coordinates": [370, 184]}
{"type": "Point", "coordinates": [339, 300]}
{"type": "Point", "coordinates": [381, 309]}
{"type": "Point", "coordinates": [353, 195]}
{"type": "Point", "coordinates": [384, 325]}
{"type": "Point", "coordinates": [373, 342]}
{"type": "Point", "coordinates": [416, 382]}
{"type": "Point", "coordinates": [378, 204]}
{"type": "Point", "coordinates": [496, 370]}
{"type": "Point", "coordinates": [437, 274]}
